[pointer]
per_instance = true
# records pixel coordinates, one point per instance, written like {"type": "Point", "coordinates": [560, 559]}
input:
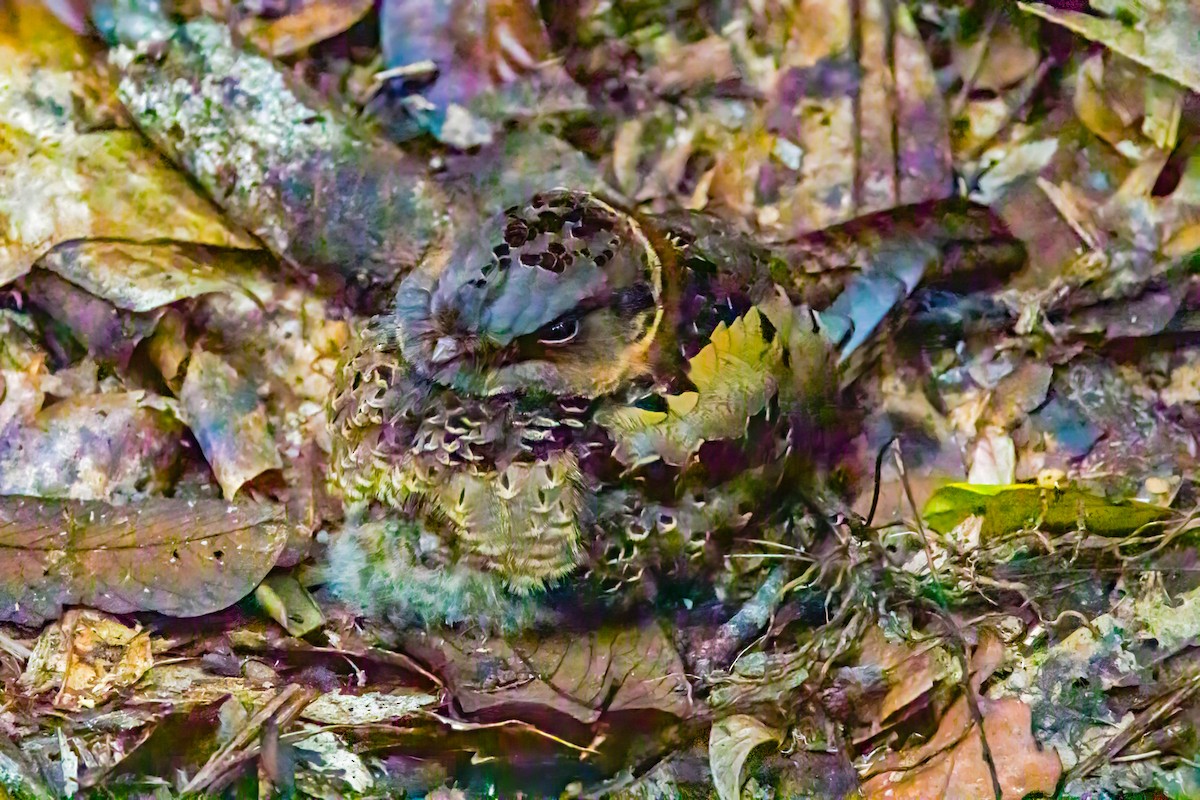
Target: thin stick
{"type": "Point", "coordinates": [1146, 721]}
{"type": "Point", "coordinates": [908, 493]}
{"type": "Point", "coordinates": [878, 479]}
{"type": "Point", "coordinates": [239, 748]}
{"type": "Point", "coordinates": [743, 626]}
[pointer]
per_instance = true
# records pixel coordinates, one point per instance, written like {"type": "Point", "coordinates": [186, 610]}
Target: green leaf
{"type": "Point", "coordinates": [729, 744]}
{"type": "Point", "coordinates": [287, 602]}
{"type": "Point", "coordinates": [1011, 507]}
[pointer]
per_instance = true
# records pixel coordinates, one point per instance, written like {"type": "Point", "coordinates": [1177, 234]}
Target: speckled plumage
{"type": "Point", "coordinates": [576, 393]}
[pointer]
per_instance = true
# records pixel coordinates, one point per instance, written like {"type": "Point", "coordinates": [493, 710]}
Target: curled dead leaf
{"type": "Point", "coordinates": [224, 412]}
{"type": "Point", "coordinates": [729, 745]}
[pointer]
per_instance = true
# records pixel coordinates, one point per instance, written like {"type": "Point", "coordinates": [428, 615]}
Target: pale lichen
{"type": "Point", "coordinates": [293, 172]}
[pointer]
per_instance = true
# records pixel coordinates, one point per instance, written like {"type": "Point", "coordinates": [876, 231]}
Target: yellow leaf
{"type": "Point", "coordinates": [735, 375]}
{"type": "Point", "coordinates": [680, 404]}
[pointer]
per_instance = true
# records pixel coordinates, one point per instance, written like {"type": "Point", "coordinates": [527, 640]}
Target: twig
{"type": "Point", "coordinates": [964, 652]}
{"type": "Point", "coordinates": [242, 747]}
{"type": "Point", "coordinates": [878, 479]}
{"type": "Point", "coordinates": [908, 493]}
{"type": "Point", "coordinates": [1144, 722]}
{"type": "Point", "coordinates": [745, 625]}
{"type": "Point", "coordinates": [461, 725]}
{"type": "Point", "coordinates": [14, 648]}
{"type": "Point", "coordinates": [964, 93]}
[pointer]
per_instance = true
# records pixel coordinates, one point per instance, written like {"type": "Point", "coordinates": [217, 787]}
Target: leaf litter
{"type": "Point", "coordinates": [1020, 619]}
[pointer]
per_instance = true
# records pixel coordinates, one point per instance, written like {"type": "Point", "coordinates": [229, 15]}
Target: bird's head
{"type": "Point", "coordinates": [562, 295]}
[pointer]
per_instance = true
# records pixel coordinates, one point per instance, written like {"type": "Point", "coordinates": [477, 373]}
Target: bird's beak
{"type": "Point", "coordinates": [446, 349]}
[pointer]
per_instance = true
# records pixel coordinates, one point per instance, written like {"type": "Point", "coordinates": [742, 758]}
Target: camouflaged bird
{"type": "Point", "coordinates": [578, 395]}
{"type": "Point", "coordinates": [573, 400]}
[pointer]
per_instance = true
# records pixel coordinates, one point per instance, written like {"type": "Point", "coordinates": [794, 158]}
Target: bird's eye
{"type": "Point", "coordinates": [559, 333]}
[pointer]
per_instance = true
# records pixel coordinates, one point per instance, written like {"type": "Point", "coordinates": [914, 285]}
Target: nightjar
{"type": "Point", "coordinates": [580, 401]}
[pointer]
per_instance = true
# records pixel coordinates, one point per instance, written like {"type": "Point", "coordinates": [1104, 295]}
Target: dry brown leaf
{"type": "Point", "coordinates": [952, 766]}
{"type": "Point", "coordinates": [312, 22]}
{"type": "Point", "coordinates": [581, 675]}
{"type": "Point", "coordinates": [691, 66]}
{"type": "Point", "coordinates": [178, 557]}
{"type": "Point", "coordinates": [102, 656]}
{"type": "Point", "coordinates": [998, 60]}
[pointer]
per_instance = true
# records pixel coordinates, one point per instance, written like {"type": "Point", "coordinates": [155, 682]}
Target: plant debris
{"type": "Point", "coordinates": [893, 494]}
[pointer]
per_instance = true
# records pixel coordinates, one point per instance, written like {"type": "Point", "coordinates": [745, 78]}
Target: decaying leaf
{"type": "Point", "coordinates": [93, 447]}
{"type": "Point", "coordinates": [729, 744]}
{"type": "Point", "coordinates": [224, 412]}
{"type": "Point", "coordinates": [68, 169]}
{"type": "Point", "coordinates": [952, 763]}
{"type": "Point", "coordinates": [1164, 40]}
{"type": "Point", "coordinates": [108, 333]}
{"type": "Point", "coordinates": [313, 21]}
{"type": "Point", "coordinates": [87, 656]}
{"type": "Point", "coordinates": [187, 684]}
{"type": "Point", "coordinates": [614, 669]}
{"type": "Point", "coordinates": [328, 768]}
{"type": "Point", "coordinates": [142, 277]}
{"type": "Point", "coordinates": [365, 709]}
{"type": "Point", "coordinates": [22, 371]}
{"type": "Point", "coordinates": [174, 556]}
